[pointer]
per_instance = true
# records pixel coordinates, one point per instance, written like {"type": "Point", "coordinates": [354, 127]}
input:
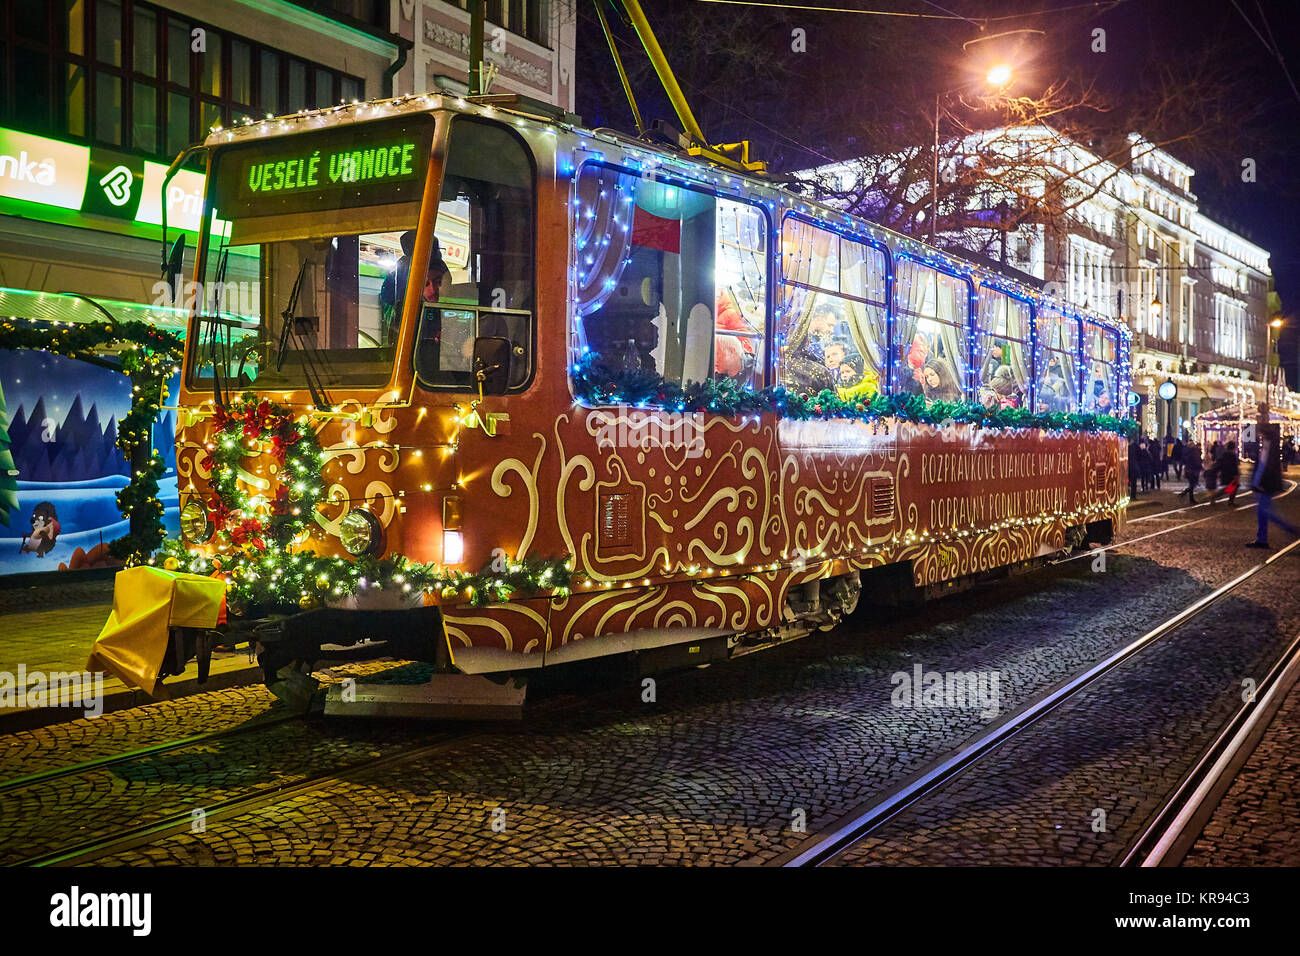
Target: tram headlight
{"type": "Point", "coordinates": [195, 525]}
{"type": "Point", "coordinates": [359, 532]}
{"type": "Point", "coordinates": [453, 547]}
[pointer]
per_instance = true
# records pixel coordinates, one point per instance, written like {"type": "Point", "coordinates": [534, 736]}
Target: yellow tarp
{"type": "Point", "coordinates": [147, 601]}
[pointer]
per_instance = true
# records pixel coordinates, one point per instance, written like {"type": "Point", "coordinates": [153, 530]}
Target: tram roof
{"type": "Point", "coordinates": [542, 117]}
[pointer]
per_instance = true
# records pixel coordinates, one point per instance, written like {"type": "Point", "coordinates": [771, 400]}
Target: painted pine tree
{"type": "Point", "coordinates": [8, 471]}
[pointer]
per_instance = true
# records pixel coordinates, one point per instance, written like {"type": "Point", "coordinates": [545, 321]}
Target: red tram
{"type": "Point", "coordinates": [601, 398]}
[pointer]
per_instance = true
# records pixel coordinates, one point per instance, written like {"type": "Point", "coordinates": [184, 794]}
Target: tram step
{"type": "Point", "coordinates": [443, 697]}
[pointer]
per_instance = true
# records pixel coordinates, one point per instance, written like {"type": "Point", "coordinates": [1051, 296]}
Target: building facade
{"type": "Point", "coordinates": [1133, 242]}
{"type": "Point", "coordinates": [528, 47]}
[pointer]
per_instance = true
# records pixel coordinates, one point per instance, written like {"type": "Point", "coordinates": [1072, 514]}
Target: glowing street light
{"type": "Point", "coordinates": [998, 78]}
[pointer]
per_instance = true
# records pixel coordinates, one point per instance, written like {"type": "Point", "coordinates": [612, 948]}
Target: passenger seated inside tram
{"type": "Point", "coordinates": [853, 378]}
{"type": "Point", "coordinates": [915, 356]}
{"type": "Point", "coordinates": [734, 355]}
{"type": "Point", "coordinates": [804, 356]}
{"type": "Point", "coordinates": [938, 382]}
{"type": "Point", "coordinates": [1053, 389]}
{"type": "Point", "coordinates": [1098, 396]}
{"type": "Point", "coordinates": [1001, 390]}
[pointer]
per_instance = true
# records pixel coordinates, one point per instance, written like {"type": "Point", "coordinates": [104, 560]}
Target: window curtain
{"type": "Point", "coordinates": [1069, 349]}
{"type": "Point", "coordinates": [804, 250]}
{"type": "Point", "coordinates": [1018, 313]}
{"type": "Point", "coordinates": [605, 204]}
{"type": "Point", "coordinates": [953, 313]}
{"type": "Point", "coordinates": [865, 278]}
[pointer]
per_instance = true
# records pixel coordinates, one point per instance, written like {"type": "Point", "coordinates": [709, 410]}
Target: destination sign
{"type": "Point", "coordinates": [309, 171]}
{"type": "Point", "coordinates": [361, 164]}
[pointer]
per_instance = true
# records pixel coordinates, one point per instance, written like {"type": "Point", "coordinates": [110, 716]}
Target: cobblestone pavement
{"type": "Point", "coordinates": [727, 759]}
{"type": "Point", "coordinates": [77, 741]}
{"type": "Point", "coordinates": [1108, 756]}
{"type": "Point", "coordinates": [1258, 821]}
{"type": "Point", "coordinates": [715, 771]}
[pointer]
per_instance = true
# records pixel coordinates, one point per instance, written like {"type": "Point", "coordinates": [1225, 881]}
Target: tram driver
{"type": "Point", "coordinates": [437, 283]}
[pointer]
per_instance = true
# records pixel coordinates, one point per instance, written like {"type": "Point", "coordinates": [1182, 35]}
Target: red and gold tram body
{"type": "Point", "coordinates": [676, 533]}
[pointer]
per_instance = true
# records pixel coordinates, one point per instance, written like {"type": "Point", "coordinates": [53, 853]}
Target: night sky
{"type": "Point", "coordinates": [1144, 39]}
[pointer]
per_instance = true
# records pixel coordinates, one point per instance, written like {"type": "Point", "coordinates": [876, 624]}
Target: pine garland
{"type": "Point", "coordinates": [597, 384]}
{"type": "Point", "coordinates": [270, 580]}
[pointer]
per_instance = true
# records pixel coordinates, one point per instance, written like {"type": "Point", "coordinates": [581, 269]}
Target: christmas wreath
{"type": "Point", "coordinates": [249, 427]}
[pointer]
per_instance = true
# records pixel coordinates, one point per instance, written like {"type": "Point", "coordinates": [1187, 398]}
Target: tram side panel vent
{"type": "Point", "coordinates": [882, 498]}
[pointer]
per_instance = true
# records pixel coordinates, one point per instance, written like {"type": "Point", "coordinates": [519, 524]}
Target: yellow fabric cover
{"type": "Point", "coordinates": [146, 602]}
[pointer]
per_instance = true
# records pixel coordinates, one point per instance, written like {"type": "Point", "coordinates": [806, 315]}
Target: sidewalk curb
{"type": "Point", "coordinates": [121, 697]}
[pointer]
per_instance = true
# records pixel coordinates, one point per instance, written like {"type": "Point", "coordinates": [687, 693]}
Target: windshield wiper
{"type": "Point", "coordinates": [289, 330]}
{"type": "Point", "coordinates": [288, 319]}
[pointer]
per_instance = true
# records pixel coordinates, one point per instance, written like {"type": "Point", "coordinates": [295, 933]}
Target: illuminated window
{"type": "Point", "coordinates": [832, 326]}
{"type": "Point", "coordinates": [1002, 353]}
{"type": "Point", "coordinates": [1055, 361]}
{"type": "Point", "coordinates": [931, 317]}
{"type": "Point", "coordinates": [1101, 372]}
{"type": "Point", "coordinates": [671, 280]}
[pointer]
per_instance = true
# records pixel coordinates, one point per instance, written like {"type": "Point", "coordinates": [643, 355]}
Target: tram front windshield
{"type": "Point", "coordinates": [305, 242]}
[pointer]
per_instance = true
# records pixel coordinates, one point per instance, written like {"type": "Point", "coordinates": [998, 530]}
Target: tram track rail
{"type": "Point", "coordinates": [180, 821]}
{"type": "Point", "coordinates": [140, 753]}
{"type": "Point", "coordinates": [852, 828]}
{"type": "Point", "coordinates": [1175, 827]}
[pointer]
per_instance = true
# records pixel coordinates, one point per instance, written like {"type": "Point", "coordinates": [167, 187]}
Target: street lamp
{"type": "Point", "coordinates": [1276, 323]}
{"type": "Point", "coordinates": [1169, 391]}
{"type": "Point", "coordinates": [998, 78]}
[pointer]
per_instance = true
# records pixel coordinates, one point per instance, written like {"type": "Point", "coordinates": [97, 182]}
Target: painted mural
{"type": "Point", "coordinates": [60, 468]}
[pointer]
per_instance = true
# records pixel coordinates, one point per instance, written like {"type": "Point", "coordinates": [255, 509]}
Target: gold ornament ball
{"type": "Point", "coordinates": [307, 602]}
{"type": "Point", "coordinates": [171, 564]}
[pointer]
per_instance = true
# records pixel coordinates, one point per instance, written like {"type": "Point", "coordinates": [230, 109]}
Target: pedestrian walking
{"type": "Point", "coordinates": [1156, 464]}
{"type": "Point", "coordinates": [1178, 460]}
{"type": "Point", "coordinates": [1266, 480]}
{"type": "Point", "coordinates": [1191, 469]}
{"type": "Point", "coordinates": [1168, 448]}
{"type": "Point", "coordinates": [1133, 472]}
{"type": "Point", "coordinates": [1229, 469]}
{"type": "Point", "coordinates": [1144, 464]}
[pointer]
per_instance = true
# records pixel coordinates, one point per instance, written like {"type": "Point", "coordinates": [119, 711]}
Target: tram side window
{"type": "Point", "coordinates": [831, 329]}
{"type": "Point", "coordinates": [478, 280]}
{"type": "Point", "coordinates": [931, 320]}
{"type": "Point", "coordinates": [1100, 380]}
{"type": "Point", "coordinates": [1057, 351]}
{"type": "Point", "coordinates": [670, 281]}
{"type": "Point", "coordinates": [1004, 354]}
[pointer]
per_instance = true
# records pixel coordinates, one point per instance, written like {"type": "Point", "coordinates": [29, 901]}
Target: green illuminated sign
{"type": "Point", "coordinates": [324, 169]}
{"type": "Point", "coordinates": [342, 167]}
{"type": "Point", "coordinates": [46, 172]}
